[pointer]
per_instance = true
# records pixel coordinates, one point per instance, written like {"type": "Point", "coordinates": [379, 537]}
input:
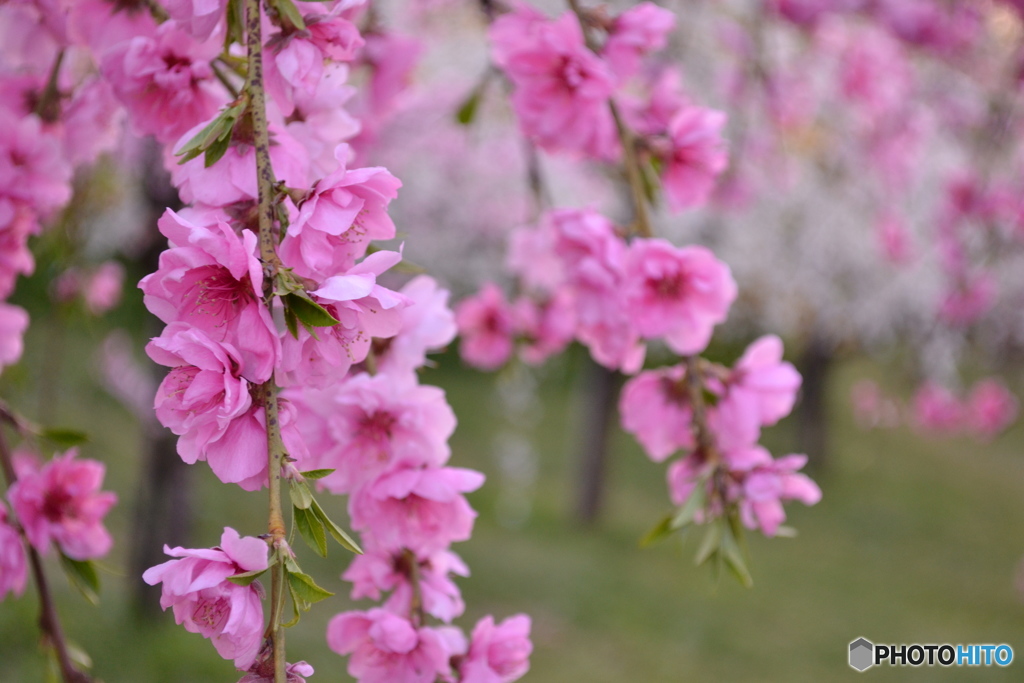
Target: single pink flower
{"type": "Point", "coordinates": [344, 212]}
{"type": "Point", "coordinates": [485, 325]}
{"type": "Point", "coordinates": [12, 558]}
{"type": "Point", "coordinates": [337, 37]}
{"type": "Point", "coordinates": [545, 327]}
{"type": "Point", "coordinates": [103, 288]}
{"type": "Point", "coordinates": [937, 410]}
{"type": "Point", "coordinates": [164, 81]}
{"type": "Point", "coordinates": [17, 221]}
{"type": "Point", "coordinates": [893, 239]}
{"type": "Point", "coordinates": [498, 653]}
{"type": "Point", "coordinates": [677, 294]}
{"type": "Point", "coordinates": [13, 323]}
{"type": "Point", "coordinates": [33, 171]}
{"type": "Point", "coordinates": [655, 408]}
{"type": "Point", "coordinates": [428, 324]}
{"type": "Point", "coordinates": [696, 156]}
{"type": "Point", "coordinates": [198, 18]}
{"type": "Point", "coordinates": [970, 298]}
{"type": "Point", "coordinates": [420, 508]}
{"type": "Point", "coordinates": [766, 486]}
{"type": "Point", "coordinates": [196, 587]}
{"type": "Point", "coordinates": [293, 67]}
{"type": "Point", "coordinates": [773, 382]}
{"type": "Point", "coordinates": [991, 408]}
{"type": "Point", "coordinates": [562, 89]}
{"type": "Point", "coordinates": [387, 648]}
{"type": "Point", "coordinates": [638, 31]}
{"type": "Point", "coordinates": [61, 502]}
{"type": "Point", "coordinates": [263, 673]}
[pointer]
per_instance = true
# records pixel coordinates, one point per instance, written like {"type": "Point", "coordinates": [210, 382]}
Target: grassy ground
{"type": "Point", "coordinates": [914, 541]}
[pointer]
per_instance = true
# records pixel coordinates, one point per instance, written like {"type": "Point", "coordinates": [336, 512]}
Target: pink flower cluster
{"type": "Point", "coordinates": [565, 89]}
{"type": "Point", "coordinates": [58, 503]}
{"type": "Point", "coordinates": [656, 407]}
{"type": "Point", "coordinates": [583, 281]}
{"type": "Point", "coordinates": [987, 410]}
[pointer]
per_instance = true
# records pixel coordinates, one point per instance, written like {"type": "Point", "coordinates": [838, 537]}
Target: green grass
{"type": "Point", "coordinates": [914, 541]}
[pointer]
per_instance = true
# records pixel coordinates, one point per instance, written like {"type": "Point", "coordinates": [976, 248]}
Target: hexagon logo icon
{"type": "Point", "coordinates": [862, 653]}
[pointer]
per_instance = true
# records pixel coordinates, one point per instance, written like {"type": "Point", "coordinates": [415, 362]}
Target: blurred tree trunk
{"type": "Point", "coordinates": [162, 508]}
{"type": "Point", "coordinates": [601, 390]}
{"type": "Point", "coordinates": [812, 412]}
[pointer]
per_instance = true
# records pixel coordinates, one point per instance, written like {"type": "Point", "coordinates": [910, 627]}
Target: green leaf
{"type": "Point", "coordinates": [216, 150]}
{"type": "Point", "coordinates": [662, 529]}
{"type": "Point", "coordinates": [246, 578]}
{"type": "Point", "coordinates": [308, 311]}
{"type": "Point", "coordinates": [290, 12]}
{"type": "Point", "coordinates": [64, 438]}
{"type": "Point", "coordinates": [306, 589]}
{"type": "Point", "coordinates": [312, 531]}
{"type": "Point", "coordinates": [734, 559]}
{"type": "Point", "coordinates": [693, 505]}
{"type": "Point", "coordinates": [709, 544]}
{"type": "Point", "coordinates": [291, 322]}
{"type": "Point", "coordinates": [78, 655]}
{"type": "Point", "coordinates": [235, 33]}
{"type": "Point", "coordinates": [297, 606]}
{"type": "Point", "coordinates": [316, 474]}
{"type": "Point", "coordinates": [300, 494]}
{"type": "Point", "coordinates": [192, 148]}
{"type": "Point", "coordinates": [467, 111]}
{"type": "Point", "coordinates": [339, 534]}
{"type": "Point", "coordinates": [83, 576]}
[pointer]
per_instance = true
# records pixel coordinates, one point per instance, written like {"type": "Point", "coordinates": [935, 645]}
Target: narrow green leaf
{"type": "Point", "coordinates": [64, 438]}
{"type": "Point", "coordinates": [246, 578]}
{"type": "Point", "coordinates": [709, 544]}
{"type": "Point", "coordinates": [734, 559]}
{"type": "Point", "coordinates": [289, 11]}
{"type": "Point", "coordinates": [78, 655]}
{"type": "Point", "coordinates": [467, 111]}
{"type": "Point", "coordinates": [300, 494]}
{"type": "Point", "coordinates": [291, 323]}
{"type": "Point", "coordinates": [306, 588]}
{"type": "Point", "coordinates": [297, 608]}
{"type": "Point", "coordinates": [339, 534]}
{"type": "Point", "coordinates": [660, 530]}
{"type": "Point", "coordinates": [216, 150]}
{"type": "Point", "coordinates": [308, 311]}
{"type": "Point", "coordinates": [693, 505]}
{"type": "Point", "coordinates": [195, 145]}
{"type": "Point", "coordinates": [316, 474]}
{"type": "Point", "coordinates": [312, 531]}
{"type": "Point", "coordinates": [83, 576]}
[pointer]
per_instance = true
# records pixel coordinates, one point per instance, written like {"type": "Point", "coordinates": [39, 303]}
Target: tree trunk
{"type": "Point", "coordinates": [812, 412]}
{"type": "Point", "coordinates": [601, 389]}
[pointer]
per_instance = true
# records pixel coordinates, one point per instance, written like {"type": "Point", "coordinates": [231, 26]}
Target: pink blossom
{"type": "Point", "coordinates": [377, 570]}
{"type": "Point", "coordinates": [210, 278]}
{"type": "Point", "coordinates": [232, 180]}
{"type": "Point", "coordinates": [427, 325]}
{"type": "Point", "coordinates": [203, 392]}
{"type": "Point", "coordinates": [772, 381]}
{"type": "Point", "coordinates": [165, 81]}
{"type": "Point", "coordinates": [205, 602]}
{"type": "Point", "coordinates": [417, 508]}
{"type": "Point", "coordinates": [937, 410]}
{"type": "Point", "coordinates": [377, 422]}
{"type": "Point", "coordinates": [485, 325]}
{"type": "Point", "coordinates": [343, 213]}
{"type": "Point", "coordinates": [498, 653]}
{"type": "Point", "coordinates": [990, 408]}
{"type": "Point", "coordinates": [562, 89]}
{"type": "Point", "coordinates": [92, 121]}
{"type": "Point", "coordinates": [293, 68]}
{"type": "Point", "coordinates": [677, 294]}
{"type": "Point", "coordinates": [640, 30]}
{"type": "Point", "coordinates": [12, 558]}
{"type": "Point", "coordinates": [893, 239]}
{"type": "Point", "coordinates": [695, 156]}
{"type": "Point", "coordinates": [103, 289]}
{"type": "Point", "coordinates": [336, 37]}
{"type": "Point", "coordinates": [971, 298]}
{"type": "Point", "coordinates": [655, 408]}
{"type": "Point", "coordinates": [61, 502]}
{"type": "Point", "coordinates": [387, 648]}
{"type": "Point", "coordinates": [17, 222]}
{"type": "Point", "coordinates": [13, 323]}
{"type": "Point", "coordinates": [33, 172]}
{"type": "Point", "coordinates": [766, 486]}
{"type": "Point", "coordinates": [196, 17]}
{"type": "Point", "coordinates": [544, 327]}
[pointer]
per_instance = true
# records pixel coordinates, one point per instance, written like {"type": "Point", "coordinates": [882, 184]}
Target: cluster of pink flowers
{"type": "Point", "coordinates": [350, 398]}
{"type": "Point", "coordinates": [57, 503]}
{"type": "Point", "coordinates": [583, 281]}
{"type": "Point", "coordinates": [656, 407]}
{"type": "Point", "coordinates": [565, 88]}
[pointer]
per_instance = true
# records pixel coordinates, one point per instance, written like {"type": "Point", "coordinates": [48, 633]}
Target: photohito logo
{"type": "Point", "coordinates": [864, 654]}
